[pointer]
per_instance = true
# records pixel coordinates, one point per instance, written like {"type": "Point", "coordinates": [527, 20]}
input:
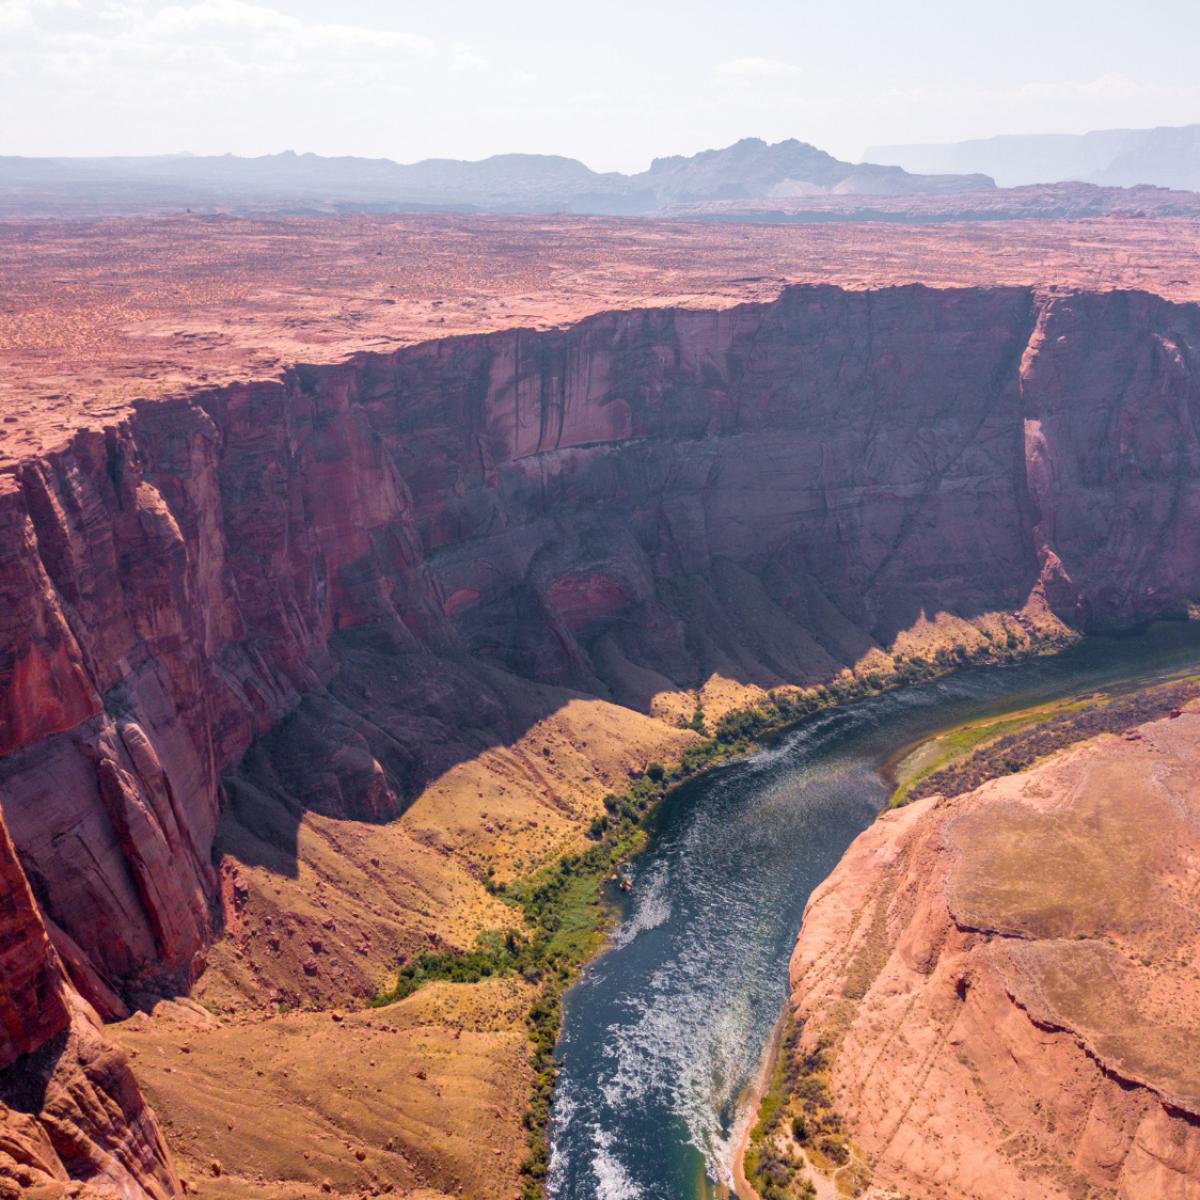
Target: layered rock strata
{"type": "Point", "coordinates": [1005, 984]}
{"type": "Point", "coordinates": [73, 1121]}
{"type": "Point", "coordinates": [375, 572]}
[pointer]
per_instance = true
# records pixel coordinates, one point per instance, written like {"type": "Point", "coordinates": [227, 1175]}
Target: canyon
{"type": "Point", "coordinates": [152, 310]}
{"type": "Point", "coordinates": [299, 660]}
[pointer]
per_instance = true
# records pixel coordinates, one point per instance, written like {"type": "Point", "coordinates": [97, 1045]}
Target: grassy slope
{"type": "Point", "coordinates": [960, 759]}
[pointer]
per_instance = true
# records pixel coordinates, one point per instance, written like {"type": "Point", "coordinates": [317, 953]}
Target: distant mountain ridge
{"type": "Point", "coordinates": [1039, 202]}
{"type": "Point", "coordinates": [1166, 156]}
{"type": "Point", "coordinates": [749, 169]}
{"type": "Point", "coordinates": [752, 169]}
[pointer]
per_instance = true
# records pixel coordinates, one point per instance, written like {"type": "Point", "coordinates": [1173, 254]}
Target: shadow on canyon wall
{"type": "Point", "coordinates": [329, 589]}
{"type": "Point", "coordinates": [388, 721]}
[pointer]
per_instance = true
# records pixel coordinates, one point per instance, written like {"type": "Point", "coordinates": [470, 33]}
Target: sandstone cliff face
{"type": "Point", "coordinates": [1112, 452]}
{"type": "Point", "coordinates": [766, 492]}
{"type": "Point", "coordinates": [34, 1008]}
{"type": "Point", "coordinates": [1006, 981]}
{"type": "Point", "coordinates": [73, 1121]}
{"type": "Point", "coordinates": [342, 567]}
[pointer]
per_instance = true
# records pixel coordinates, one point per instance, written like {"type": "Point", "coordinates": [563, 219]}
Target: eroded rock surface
{"type": "Point", "coordinates": [154, 308]}
{"type": "Point", "coordinates": [73, 1121]}
{"type": "Point", "coordinates": [1006, 982]}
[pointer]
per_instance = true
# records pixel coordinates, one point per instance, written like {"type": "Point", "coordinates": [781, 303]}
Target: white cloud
{"type": "Point", "coordinates": [15, 15]}
{"type": "Point", "coordinates": [208, 75]}
{"type": "Point", "coordinates": [463, 58]}
{"type": "Point", "coordinates": [757, 68]}
{"type": "Point", "coordinates": [204, 39]}
{"type": "Point", "coordinates": [222, 19]}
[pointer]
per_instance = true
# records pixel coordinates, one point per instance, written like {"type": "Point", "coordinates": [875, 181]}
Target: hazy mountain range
{"type": "Point", "coordinates": [1168, 156]}
{"type": "Point", "coordinates": [749, 169]}
{"type": "Point", "coordinates": [742, 181]}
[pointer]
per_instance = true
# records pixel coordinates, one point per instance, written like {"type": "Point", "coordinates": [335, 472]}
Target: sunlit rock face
{"type": "Point", "coordinates": [343, 560]}
{"type": "Point", "coordinates": [1004, 982]}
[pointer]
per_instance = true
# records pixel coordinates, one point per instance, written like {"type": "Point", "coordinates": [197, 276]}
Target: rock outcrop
{"type": "Point", "coordinates": [355, 569]}
{"type": "Point", "coordinates": [33, 1008]}
{"type": "Point", "coordinates": [73, 1121]}
{"type": "Point", "coordinates": [1005, 986]}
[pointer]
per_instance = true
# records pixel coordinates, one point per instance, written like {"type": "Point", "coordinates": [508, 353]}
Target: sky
{"type": "Point", "coordinates": [613, 83]}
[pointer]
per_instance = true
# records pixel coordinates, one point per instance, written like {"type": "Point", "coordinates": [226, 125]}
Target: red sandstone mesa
{"type": "Point", "coordinates": [347, 560]}
{"type": "Point", "coordinates": [155, 308]}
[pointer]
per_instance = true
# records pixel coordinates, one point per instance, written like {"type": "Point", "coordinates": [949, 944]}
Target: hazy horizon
{"type": "Point", "coordinates": [864, 157]}
{"type": "Point", "coordinates": [108, 77]}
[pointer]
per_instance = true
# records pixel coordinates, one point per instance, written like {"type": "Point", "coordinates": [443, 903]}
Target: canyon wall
{"type": "Point", "coordinates": [341, 568]}
{"type": "Point", "coordinates": [1002, 986]}
{"type": "Point", "coordinates": [70, 1107]}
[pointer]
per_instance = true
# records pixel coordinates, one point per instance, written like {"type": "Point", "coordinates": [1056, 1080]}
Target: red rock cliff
{"type": "Point", "coordinates": [625, 506]}
{"type": "Point", "coordinates": [1005, 982]}
{"type": "Point", "coordinates": [70, 1108]}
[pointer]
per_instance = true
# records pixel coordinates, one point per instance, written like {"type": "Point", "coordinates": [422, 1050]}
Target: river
{"type": "Point", "coordinates": [665, 1031]}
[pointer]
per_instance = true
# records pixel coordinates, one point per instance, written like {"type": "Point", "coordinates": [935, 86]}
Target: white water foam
{"type": "Point", "coordinates": [613, 1181]}
{"type": "Point", "coordinates": [716, 1084]}
{"type": "Point", "coordinates": [684, 1048]}
{"type": "Point", "coordinates": [653, 907]}
{"type": "Point", "coordinates": [561, 1116]}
